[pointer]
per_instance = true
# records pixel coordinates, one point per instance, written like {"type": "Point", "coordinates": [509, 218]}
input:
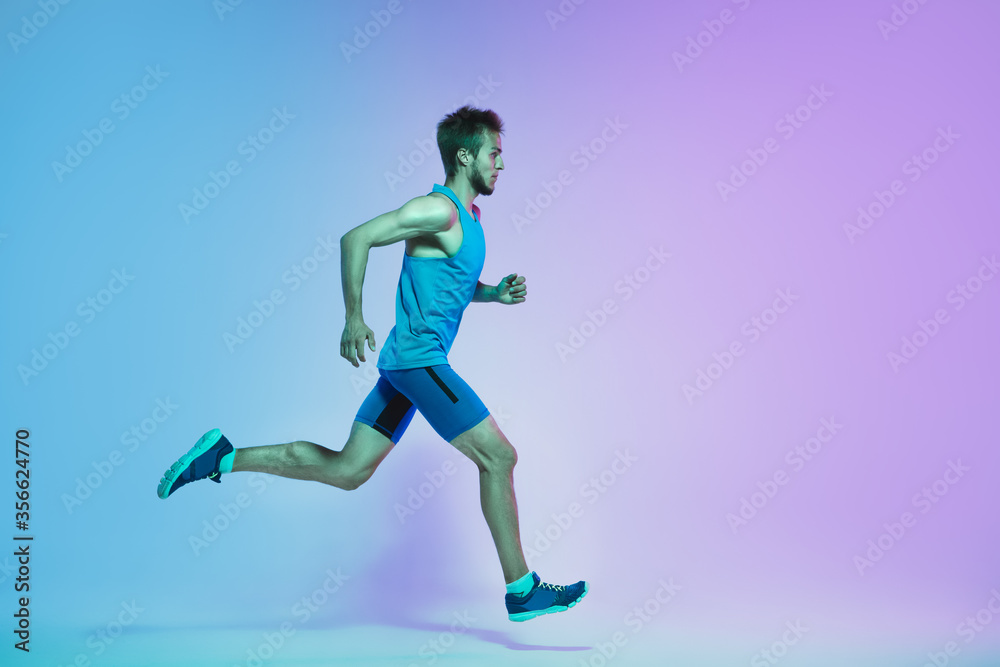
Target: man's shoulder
{"type": "Point", "coordinates": [443, 203]}
{"type": "Point", "coordinates": [438, 211]}
{"type": "Point", "coordinates": [448, 204]}
{"type": "Point", "coordinates": [438, 196]}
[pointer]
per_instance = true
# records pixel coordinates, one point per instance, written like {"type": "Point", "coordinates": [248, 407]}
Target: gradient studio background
{"type": "Point", "coordinates": [642, 109]}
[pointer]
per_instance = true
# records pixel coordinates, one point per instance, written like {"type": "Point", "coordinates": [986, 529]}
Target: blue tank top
{"type": "Point", "coordinates": [431, 297]}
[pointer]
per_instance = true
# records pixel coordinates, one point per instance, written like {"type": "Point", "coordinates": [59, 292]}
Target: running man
{"type": "Point", "coordinates": [444, 254]}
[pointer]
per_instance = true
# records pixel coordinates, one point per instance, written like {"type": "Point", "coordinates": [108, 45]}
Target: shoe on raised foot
{"type": "Point", "coordinates": [200, 462]}
{"type": "Point", "coordinates": [544, 598]}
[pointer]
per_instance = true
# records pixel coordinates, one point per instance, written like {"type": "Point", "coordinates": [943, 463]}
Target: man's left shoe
{"type": "Point", "coordinates": [200, 462]}
{"type": "Point", "coordinates": [544, 598]}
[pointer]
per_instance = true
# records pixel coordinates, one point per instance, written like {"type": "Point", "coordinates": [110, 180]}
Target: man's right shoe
{"type": "Point", "coordinates": [200, 462]}
{"type": "Point", "coordinates": [544, 599]}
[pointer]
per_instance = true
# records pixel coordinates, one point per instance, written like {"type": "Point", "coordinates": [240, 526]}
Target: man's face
{"type": "Point", "coordinates": [487, 165]}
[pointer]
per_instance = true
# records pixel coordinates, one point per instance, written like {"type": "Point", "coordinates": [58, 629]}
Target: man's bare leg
{"type": "Point", "coordinates": [496, 494]}
{"type": "Point", "coordinates": [346, 469]}
{"type": "Point", "coordinates": [486, 445]}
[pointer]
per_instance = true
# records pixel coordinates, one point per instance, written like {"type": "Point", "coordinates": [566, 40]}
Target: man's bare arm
{"type": "Point", "coordinates": [353, 263]}
{"type": "Point", "coordinates": [485, 293]}
{"type": "Point", "coordinates": [419, 216]}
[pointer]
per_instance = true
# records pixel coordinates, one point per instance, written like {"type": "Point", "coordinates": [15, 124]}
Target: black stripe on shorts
{"type": "Point", "coordinates": [394, 411]}
{"type": "Point", "coordinates": [440, 383]}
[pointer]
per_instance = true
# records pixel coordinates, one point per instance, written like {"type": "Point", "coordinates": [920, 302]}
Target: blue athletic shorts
{"type": "Point", "coordinates": [444, 399]}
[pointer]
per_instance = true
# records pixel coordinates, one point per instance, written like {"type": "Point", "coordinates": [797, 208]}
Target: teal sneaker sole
{"type": "Point", "coordinates": [170, 476]}
{"type": "Point", "coordinates": [528, 615]}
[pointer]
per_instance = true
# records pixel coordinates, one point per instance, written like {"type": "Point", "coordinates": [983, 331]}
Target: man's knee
{"type": "Point", "coordinates": [494, 453]}
{"type": "Point", "coordinates": [352, 479]}
{"type": "Point", "coordinates": [512, 458]}
{"type": "Point", "coordinates": [330, 467]}
{"type": "Point", "coordinates": [487, 446]}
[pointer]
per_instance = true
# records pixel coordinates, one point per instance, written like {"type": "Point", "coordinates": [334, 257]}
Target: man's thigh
{"type": "Point", "coordinates": [385, 410]}
{"type": "Point", "coordinates": [486, 445]}
{"type": "Point", "coordinates": [445, 400]}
